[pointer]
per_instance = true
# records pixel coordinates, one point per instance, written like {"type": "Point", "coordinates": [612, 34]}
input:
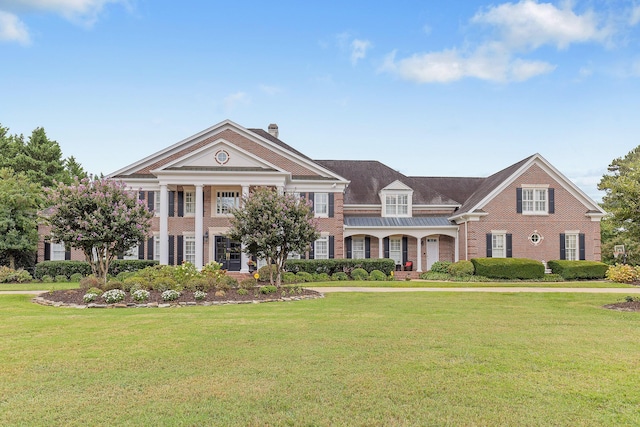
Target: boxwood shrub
{"type": "Point", "coordinates": [578, 270]}
{"type": "Point", "coordinates": [69, 268]}
{"type": "Point", "coordinates": [508, 268]}
{"type": "Point", "coordinates": [332, 266]}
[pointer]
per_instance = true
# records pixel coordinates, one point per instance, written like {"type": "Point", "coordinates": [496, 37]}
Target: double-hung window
{"type": "Point", "coordinates": [534, 201]}
{"type": "Point", "coordinates": [571, 247]}
{"type": "Point", "coordinates": [395, 250]}
{"type": "Point", "coordinates": [321, 204]}
{"type": "Point", "coordinates": [321, 248]}
{"type": "Point", "coordinates": [498, 246]}
{"type": "Point", "coordinates": [189, 202]}
{"type": "Point", "coordinates": [156, 248]}
{"type": "Point", "coordinates": [156, 203]}
{"type": "Point", "coordinates": [57, 251]}
{"type": "Point", "coordinates": [396, 204]}
{"type": "Point", "coordinates": [226, 201]}
{"type": "Point", "coordinates": [190, 249]}
{"type": "Point", "coordinates": [357, 248]}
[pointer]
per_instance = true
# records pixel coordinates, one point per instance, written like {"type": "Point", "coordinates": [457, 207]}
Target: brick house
{"type": "Point", "coordinates": [365, 209]}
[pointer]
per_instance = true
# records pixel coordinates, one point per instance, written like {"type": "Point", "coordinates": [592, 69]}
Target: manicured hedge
{"type": "Point", "coordinates": [581, 270]}
{"type": "Point", "coordinates": [508, 268]}
{"type": "Point", "coordinates": [68, 268]}
{"type": "Point", "coordinates": [331, 266]}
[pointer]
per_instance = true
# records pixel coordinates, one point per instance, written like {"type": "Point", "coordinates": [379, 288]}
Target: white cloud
{"type": "Point", "coordinates": [518, 28]}
{"type": "Point", "coordinates": [635, 16]}
{"type": "Point", "coordinates": [12, 29]}
{"type": "Point", "coordinates": [529, 24]}
{"type": "Point", "coordinates": [269, 89]}
{"type": "Point", "coordinates": [84, 12]}
{"type": "Point", "coordinates": [234, 100]}
{"type": "Point", "coordinates": [359, 50]}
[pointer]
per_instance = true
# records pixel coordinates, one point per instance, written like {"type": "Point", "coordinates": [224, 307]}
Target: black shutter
{"type": "Point", "coordinates": [311, 250]}
{"type": "Point", "coordinates": [171, 251]}
{"type": "Point", "coordinates": [489, 245]}
{"type": "Point", "coordinates": [519, 200]}
{"type": "Point", "coordinates": [581, 248]}
{"type": "Point", "coordinates": [386, 247]}
{"type": "Point", "coordinates": [150, 247]}
{"type": "Point", "coordinates": [562, 246]}
{"type": "Point", "coordinates": [180, 203]}
{"type": "Point", "coordinates": [180, 250]}
{"type": "Point", "coordinates": [367, 247]}
{"type": "Point", "coordinates": [150, 200]}
{"type": "Point", "coordinates": [405, 249]}
{"type": "Point", "coordinates": [141, 249]}
{"type": "Point", "coordinates": [172, 203]}
{"type": "Point", "coordinates": [47, 251]}
{"type": "Point", "coordinates": [67, 253]}
{"type": "Point", "coordinates": [313, 202]}
{"type": "Point", "coordinates": [330, 205]}
{"type": "Point", "coordinates": [552, 201]}
{"type": "Point", "coordinates": [331, 247]}
{"type": "Point", "coordinates": [509, 246]}
{"type": "Point", "coordinates": [141, 195]}
{"type": "Point", "coordinates": [347, 244]}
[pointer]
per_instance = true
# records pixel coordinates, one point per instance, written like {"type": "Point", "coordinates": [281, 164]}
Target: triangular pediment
{"type": "Point", "coordinates": [217, 156]}
{"type": "Point", "coordinates": [397, 185]}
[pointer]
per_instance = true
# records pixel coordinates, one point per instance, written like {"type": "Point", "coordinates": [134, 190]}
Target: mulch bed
{"type": "Point", "coordinates": [73, 297]}
{"type": "Point", "coordinates": [624, 306]}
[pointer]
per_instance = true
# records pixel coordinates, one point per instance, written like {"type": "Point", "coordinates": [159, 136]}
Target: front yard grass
{"type": "Point", "coordinates": [446, 284]}
{"type": "Point", "coordinates": [348, 359]}
{"type": "Point", "coordinates": [38, 286]}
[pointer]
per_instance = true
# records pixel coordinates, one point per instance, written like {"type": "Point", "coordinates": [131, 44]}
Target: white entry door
{"type": "Point", "coordinates": [433, 251]}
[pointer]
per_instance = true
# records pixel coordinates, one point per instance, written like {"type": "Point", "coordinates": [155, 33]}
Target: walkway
{"type": "Point", "coordinates": [479, 289]}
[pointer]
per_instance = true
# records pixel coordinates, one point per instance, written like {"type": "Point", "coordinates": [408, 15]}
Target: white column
{"type": "Point", "coordinates": [419, 244]}
{"type": "Point", "coordinates": [164, 225]}
{"type": "Point", "coordinates": [244, 268]}
{"type": "Point", "coordinates": [380, 247]}
{"type": "Point", "coordinates": [199, 232]}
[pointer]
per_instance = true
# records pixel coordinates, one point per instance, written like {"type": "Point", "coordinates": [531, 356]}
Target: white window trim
{"type": "Point", "coordinates": [156, 203]}
{"type": "Point", "coordinates": [57, 248]}
{"type": "Point", "coordinates": [323, 239]}
{"type": "Point", "coordinates": [494, 248]}
{"type": "Point", "coordinates": [188, 238]}
{"type": "Point", "coordinates": [392, 242]}
{"type": "Point", "coordinates": [576, 250]}
{"type": "Point", "coordinates": [396, 193]}
{"type": "Point", "coordinates": [317, 203]}
{"type": "Point", "coordinates": [536, 189]}
{"type": "Point", "coordinates": [363, 251]}
{"type": "Point", "coordinates": [156, 247]}
{"type": "Point", "coordinates": [215, 195]}
{"type": "Point", "coordinates": [191, 204]}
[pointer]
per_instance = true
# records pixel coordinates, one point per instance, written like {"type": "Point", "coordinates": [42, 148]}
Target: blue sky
{"type": "Point", "coordinates": [431, 88]}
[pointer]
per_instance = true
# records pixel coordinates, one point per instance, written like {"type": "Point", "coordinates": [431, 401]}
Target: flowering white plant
{"type": "Point", "coordinates": [89, 297]}
{"type": "Point", "coordinates": [199, 295]}
{"type": "Point", "coordinates": [113, 296]}
{"type": "Point", "coordinates": [170, 295]}
{"type": "Point", "coordinates": [140, 295]}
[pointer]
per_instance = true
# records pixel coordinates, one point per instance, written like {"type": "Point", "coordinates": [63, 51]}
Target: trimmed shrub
{"type": "Point", "coordinates": [61, 278]}
{"type": "Point", "coordinates": [289, 277]}
{"type": "Point", "coordinates": [433, 275]}
{"type": "Point", "coordinates": [321, 277]}
{"type": "Point", "coordinates": [332, 266]}
{"type": "Point", "coordinates": [440, 267]}
{"type": "Point", "coordinates": [508, 268]}
{"type": "Point", "coordinates": [248, 283]}
{"type": "Point", "coordinates": [89, 282]}
{"type": "Point", "coordinates": [61, 268]}
{"type": "Point", "coordinates": [377, 275]}
{"type": "Point", "coordinates": [623, 273]}
{"type": "Point", "coordinates": [572, 270]}
{"type": "Point", "coordinates": [268, 289]}
{"type": "Point", "coordinates": [340, 275]}
{"type": "Point", "coordinates": [461, 268]}
{"type": "Point", "coordinates": [118, 266]}
{"type": "Point", "coordinates": [227, 283]}
{"type": "Point", "coordinates": [303, 276]}
{"type": "Point", "coordinates": [113, 284]}
{"type": "Point", "coordinates": [47, 279]}
{"type": "Point", "coordinates": [359, 274]}
{"type": "Point", "coordinates": [8, 275]}
{"type": "Point", "coordinates": [75, 278]}
{"type": "Point", "coordinates": [264, 272]}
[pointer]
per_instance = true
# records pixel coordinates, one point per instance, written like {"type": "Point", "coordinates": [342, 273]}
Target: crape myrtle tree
{"type": "Point", "coordinates": [621, 185]}
{"type": "Point", "coordinates": [19, 202]}
{"type": "Point", "coordinates": [101, 217]}
{"type": "Point", "coordinates": [270, 225]}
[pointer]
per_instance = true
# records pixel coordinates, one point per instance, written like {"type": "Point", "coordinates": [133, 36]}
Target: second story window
{"type": "Point", "coordinates": [189, 202]}
{"type": "Point", "coordinates": [534, 201]}
{"type": "Point", "coordinates": [227, 200]}
{"type": "Point", "coordinates": [321, 204]}
{"type": "Point", "coordinates": [396, 205]}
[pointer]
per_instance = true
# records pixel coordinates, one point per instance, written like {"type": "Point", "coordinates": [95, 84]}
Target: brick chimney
{"type": "Point", "coordinates": [273, 130]}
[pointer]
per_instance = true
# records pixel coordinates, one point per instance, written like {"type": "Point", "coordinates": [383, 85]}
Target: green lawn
{"type": "Point", "coordinates": [348, 359]}
{"type": "Point", "coordinates": [436, 284]}
{"type": "Point", "coordinates": [37, 286]}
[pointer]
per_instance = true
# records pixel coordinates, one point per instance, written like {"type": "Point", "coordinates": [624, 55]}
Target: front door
{"type": "Point", "coordinates": [433, 251]}
{"type": "Point", "coordinates": [228, 253]}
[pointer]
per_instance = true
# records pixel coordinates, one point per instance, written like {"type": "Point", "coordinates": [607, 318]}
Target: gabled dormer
{"type": "Point", "coordinates": [396, 200]}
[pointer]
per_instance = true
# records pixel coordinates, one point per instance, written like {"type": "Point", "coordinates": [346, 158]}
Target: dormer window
{"type": "Point", "coordinates": [396, 205]}
{"type": "Point", "coordinates": [396, 200]}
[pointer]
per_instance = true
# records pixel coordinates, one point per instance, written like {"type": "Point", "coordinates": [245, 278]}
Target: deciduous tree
{"type": "Point", "coordinates": [101, 217]}
{"type": "Point", "coordinates": [271, 225]}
